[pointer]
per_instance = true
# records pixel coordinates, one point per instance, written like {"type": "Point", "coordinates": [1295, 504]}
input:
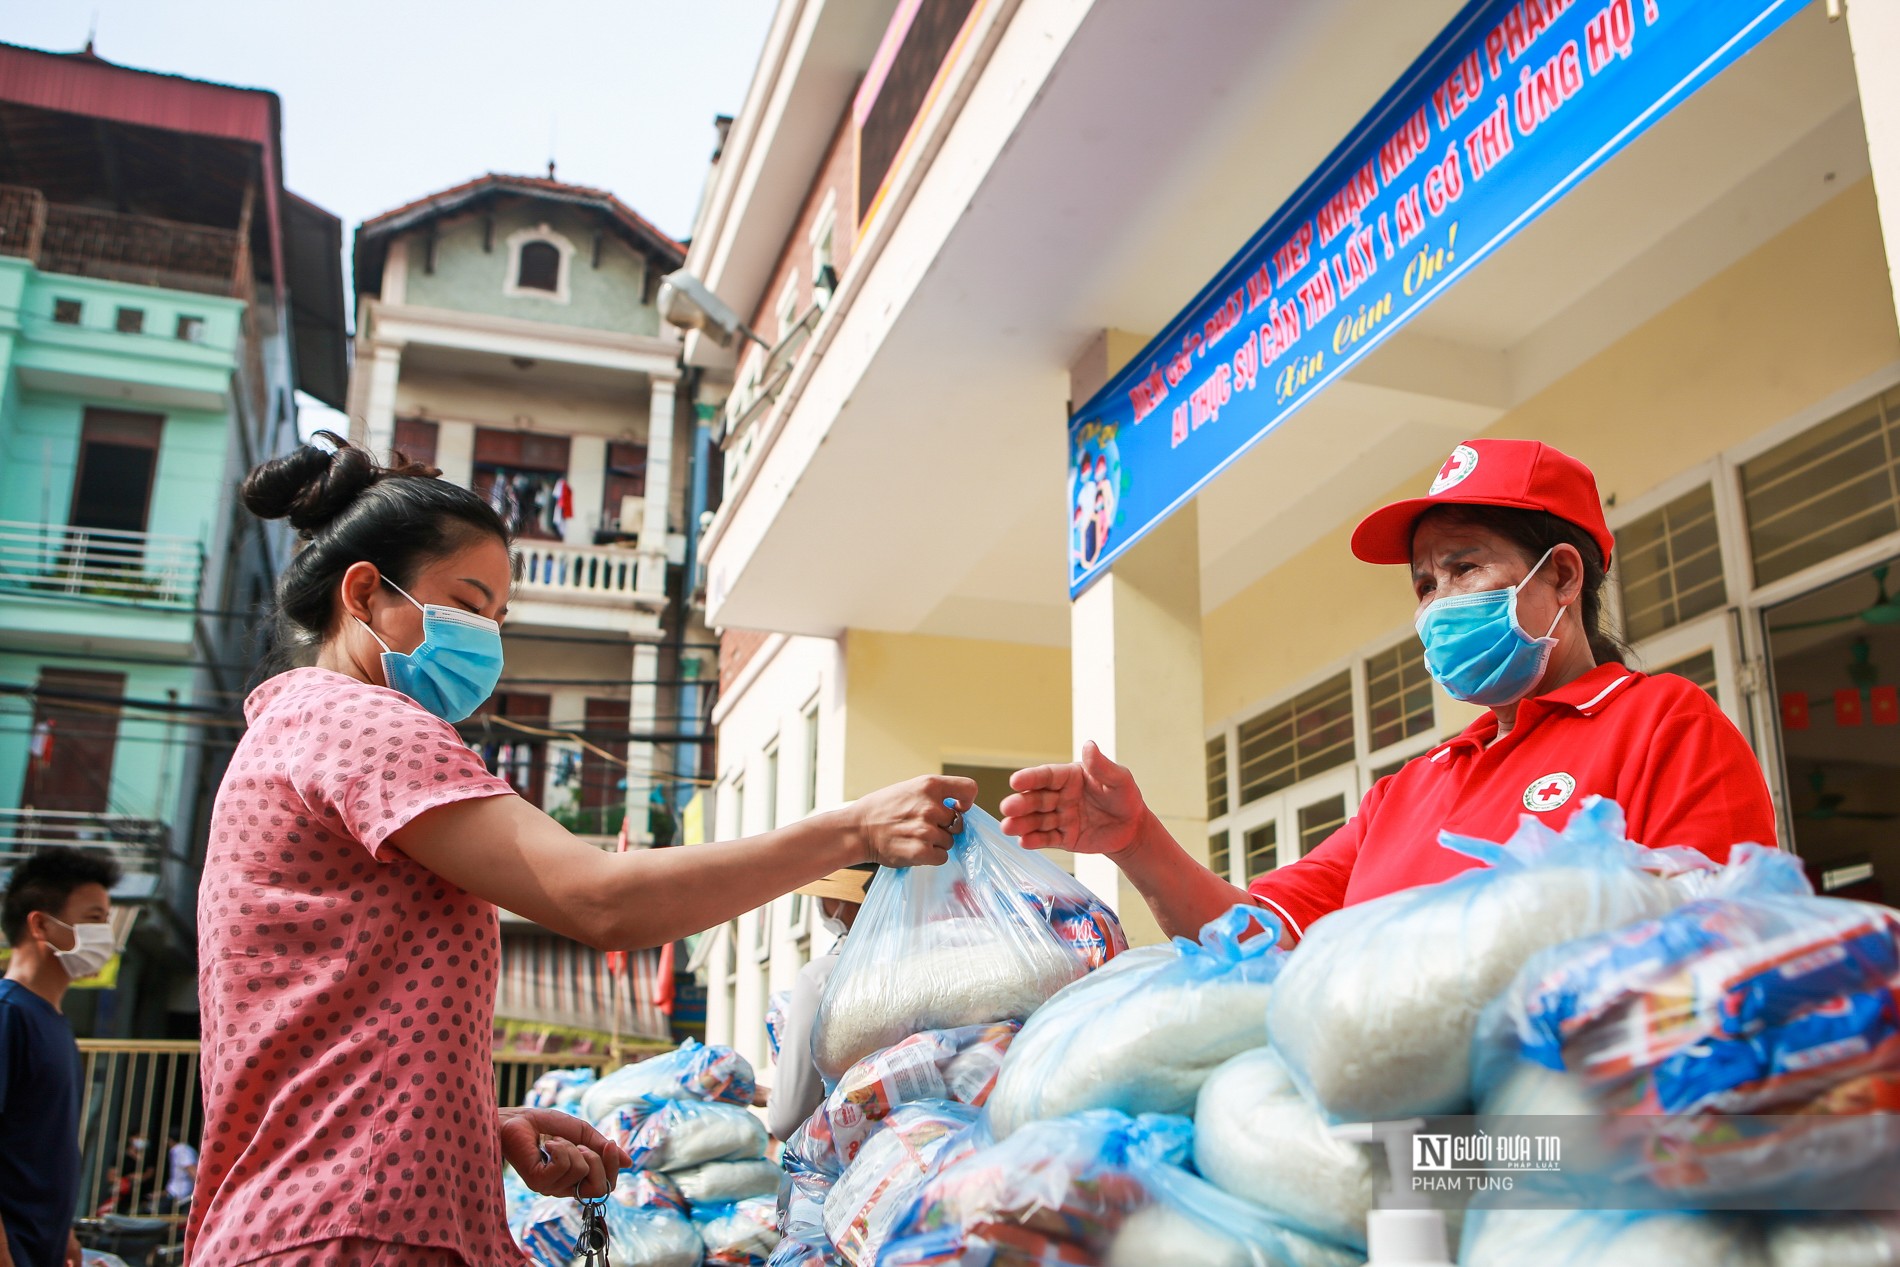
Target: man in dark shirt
{"type": "Point", "coordinates": [56, 915]}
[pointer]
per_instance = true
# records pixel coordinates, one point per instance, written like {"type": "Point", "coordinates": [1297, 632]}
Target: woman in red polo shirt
{"type": "Point", "coordinates": [1508, 554]}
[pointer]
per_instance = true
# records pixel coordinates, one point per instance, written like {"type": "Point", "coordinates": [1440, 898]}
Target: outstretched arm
{"type": "Point", "coordinates": [1093, 806]}
{"type": "Point", "coordinates": [504, 850]}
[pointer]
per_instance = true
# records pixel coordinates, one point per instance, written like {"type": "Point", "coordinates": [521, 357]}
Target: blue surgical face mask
{"type": "Point", "coordinates": [1476, 649]}
{"type": "Point", "coordinates": [456, 665]}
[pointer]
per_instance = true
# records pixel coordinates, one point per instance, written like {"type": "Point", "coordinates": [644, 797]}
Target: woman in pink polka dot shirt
{"type": "Point", "coordinates": [348, 942]}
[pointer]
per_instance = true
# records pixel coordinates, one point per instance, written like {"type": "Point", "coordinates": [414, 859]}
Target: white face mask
{"type": "Point", "coordinates": [832, 924]}
{"type": "Point", "coordinates": [92, 949]}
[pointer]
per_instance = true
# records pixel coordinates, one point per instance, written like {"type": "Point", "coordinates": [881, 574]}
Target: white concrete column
{"type": "Point", "coordinates": [642, 758]}
{"type": "Point", "coordinates": [587, 477]}
{"type": "Point", "coordinates": [379, 407]}
{"type": "Point", "coordinates": [1873, 28]}
{"type": "Point", "coordinates": [1135, 669]}
{"type": "Point", "coordinates": [659, 487]}
{"type": "Point", "coordinates": [455, 452]}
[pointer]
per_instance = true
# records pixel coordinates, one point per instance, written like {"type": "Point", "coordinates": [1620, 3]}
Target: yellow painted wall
{"type": "Point", "coordinates": [914, 702]}
{"type": "Point", "coordinates": [1801, 318]}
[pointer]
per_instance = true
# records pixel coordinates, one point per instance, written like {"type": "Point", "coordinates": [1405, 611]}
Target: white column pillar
{"type": "Point", "coordinates": [455, 452]}
{"type": "Point", "coordinates": [379, 409]}
{"type": "Point", "coordinates": [1135, 669]}
{"type": "Point", "coordinates": [652, 578]}
{"type": "Point", "coordinates": [587, 479]}
{"type": "Point", "coordinates": [643, 707]}
{"type": "Point", "coordinates": [1873, 29]}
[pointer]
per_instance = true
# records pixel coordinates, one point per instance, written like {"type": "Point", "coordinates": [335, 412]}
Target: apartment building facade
{"type": "Point", "coordinates": [958, 534]}
{"type": "Point", "coordinates": [162, 298]}
{"type": "Point", "coordinates": [506, 333]}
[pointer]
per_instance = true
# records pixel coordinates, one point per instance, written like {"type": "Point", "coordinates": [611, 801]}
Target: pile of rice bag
{"type": "Point", "coordinates": [692, 1071]}
{"type": "Point", "coordinates": [878, 1185]}
{"type": "Point", "coordinates": [741, 1234]}
{"type": "Point", "coordinates": [986, 937]}
{"type": "Point", "coordinates": [1142, 1034]}
{"type": "Point", "coordinates": [1095, 1187]}
{"type": "Point", "coordinates": [1375, 1010]}
{"type": "Point", "coordinates": [561, 1089]}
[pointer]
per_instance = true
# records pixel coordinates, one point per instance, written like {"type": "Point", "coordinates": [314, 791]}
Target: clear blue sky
{"type": "Point", "coordinates": [389, 100]}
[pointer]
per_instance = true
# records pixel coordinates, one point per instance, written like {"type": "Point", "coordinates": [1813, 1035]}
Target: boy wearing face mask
{"type": "Point", "coordinates": [57, 916]}
{"type": "Point", "coordinates": [797, 1089]}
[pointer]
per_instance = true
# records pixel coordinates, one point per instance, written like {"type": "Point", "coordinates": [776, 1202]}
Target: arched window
{"type": "Point", "coordinates": [540, 267]}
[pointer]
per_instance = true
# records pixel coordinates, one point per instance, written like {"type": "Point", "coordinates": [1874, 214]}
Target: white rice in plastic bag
{"type": "Point", "coordinates": [1375, 1009]}
{"type": "Point", "coordinates": [1141, 1034]}
{"type": "Point", "coordinates": [1161, 1236]}
{"type": "Point", "coordinates": [686, 1133]}
{"type": "Point", "coordinates": [1258, 1138]}
{"type": "Point", "coordinates": [1846, 1240]}
{"type": "Point", "coordinates": [1595, 1238]}
{"type": "Point", "coordinates": [718, 1182]}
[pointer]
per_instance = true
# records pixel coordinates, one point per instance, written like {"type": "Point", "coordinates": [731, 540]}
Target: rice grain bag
{"type": "Point", "coordinates": [988, 936]}
{"type": "Point", "coordinates": [723, 1182]}
{"type": "Point", "coordinates": [1597, 1238]}
{"type": "Point", "coordinates": [681, 1134]}
{"type": "Point", "coordinates": [878, 1185]}
{"type": "Point", "coordinates": [1143, 1033]}
{"type": "Point", "coordinates": [1375, 1010]}
{"type": "Point", "coordinates": [691, 1071]}
{"type": "Point", "coordinates": [742, 1234]}
{"type": "Point", "coordinates": [650, 1236]}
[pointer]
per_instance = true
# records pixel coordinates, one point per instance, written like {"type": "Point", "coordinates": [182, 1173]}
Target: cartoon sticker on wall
{"type": "Point", "coordinates": [1095, 492]}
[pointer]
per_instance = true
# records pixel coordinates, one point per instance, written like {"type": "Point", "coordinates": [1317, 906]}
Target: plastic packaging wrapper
{"type": "Point", "coordinates": [723, 1182]}
{"type": "Point", "coordinates": [1098, 1186]}
{"type": "Point", "coordinates": [692, 1071]}
{"type": "Point", "coordinates": [551, 1232]}
{"type": "Point", "coordinates": [1376, 1008]}
{"type": "Point", "coordinates": [648, 1189]}
{"type": "Point", "coordinates": [683, 1133]}
{"type": "Point", "coordinates": [878, 1185]}
{"type": "Point", "coordinates": [1756, 995]}
{"type": "Point", "coordinates": [803, 1241]}
{"type": "Point", "coordinates": [561, 1089]}
{"type": "Point", "coordinates": [742, 1234]}
{"type": "Point", "coordinates": [776, 1008]}
{"type": "Point", "coordinates": [1589, 1238]}
{"type": "Point", "coordinates": [1258, 1138]}
{"type": "Point", "coordinates": [948, 1064]}
{"type": "Point", "coordinates": [1143, 1033]}
{"type": "Point", "coordinates": [986, 937]}
{"type": "Point", "coordinates": [653, 1236]}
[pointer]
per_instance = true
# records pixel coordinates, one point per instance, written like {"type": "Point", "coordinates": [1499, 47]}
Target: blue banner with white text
{"type": "Point", "coordinates": [1509, 108]}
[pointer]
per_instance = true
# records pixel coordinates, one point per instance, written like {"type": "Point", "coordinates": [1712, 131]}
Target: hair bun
{"type": "Point", "coordinates": [311, 485]}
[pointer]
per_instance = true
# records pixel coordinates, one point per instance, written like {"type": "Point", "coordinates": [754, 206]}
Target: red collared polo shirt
{"type": "Point", "coordinates": [1658, 746]}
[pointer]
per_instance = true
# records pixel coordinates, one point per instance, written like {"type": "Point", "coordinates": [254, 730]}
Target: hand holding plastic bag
{"type": "Point", "coordinates": [987, 937]}
{"type": "Point", "coordinates": [1143, 1033]}
{"type": "Point", "coordinates": [1376, 1008]}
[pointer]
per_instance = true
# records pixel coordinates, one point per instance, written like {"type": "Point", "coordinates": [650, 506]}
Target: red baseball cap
{"type": "Point", "coordinates": [1523, 474]}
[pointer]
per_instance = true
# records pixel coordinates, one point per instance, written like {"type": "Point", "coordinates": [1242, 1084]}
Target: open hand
{"type": "Point", "coordinates": [1086, 806]}
{"type": "Point", "coordinates": [907, 824]}
{"type": "Point", "coordinates": [556, 1152]}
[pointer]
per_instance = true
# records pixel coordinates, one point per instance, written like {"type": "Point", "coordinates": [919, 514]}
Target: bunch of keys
{"type": "Point", "coordinates": [592, 1245]}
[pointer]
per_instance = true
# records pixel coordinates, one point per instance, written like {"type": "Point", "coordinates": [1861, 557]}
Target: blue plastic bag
{"type": "Point", "coordinates": [988, 936]}
{"type": "Point", "coordinates": [650, 1236]}
{"type": "Point", "coordinates": [1142, 1034]}
{"type": "Point", "coordinates": [876, 1188]}
{"type": "Point", "coordinates": [1376, 1008]}
{"type": "Point", "coordinates": [740, 1234]}
{"type": "Point", "coordinates": [683, 1133]}
{"type": "Point", "coordinates": [561, 1089]}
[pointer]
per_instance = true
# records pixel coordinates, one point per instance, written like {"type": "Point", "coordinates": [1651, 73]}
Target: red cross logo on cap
{"type": "Point", "coordinates": [1549, 792]}
{"type": "Point", "coordinates": [1456, 470]}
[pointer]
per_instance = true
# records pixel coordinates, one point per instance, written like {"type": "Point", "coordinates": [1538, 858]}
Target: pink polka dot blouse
{"type": "Point", "coordinates": [347, 993]}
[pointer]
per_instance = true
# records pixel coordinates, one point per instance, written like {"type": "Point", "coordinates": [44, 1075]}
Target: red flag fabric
{"type": "Point", "coordinates": [663, 981]}
{"type": "Point", "coordinates": [1847, 707]}
{"type": "Point", "coordinates": [1794, 710]}
{"type": "Point", "coordinates": [1884, 704]}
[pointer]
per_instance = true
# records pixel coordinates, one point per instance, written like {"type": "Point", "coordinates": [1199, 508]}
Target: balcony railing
{"type": "Point", "coordinates": [138, 568]}
{"type": "Point", "coordinates": [551, 571]}
{"type": "Point", "coordinates": [143, 250]}
{"type": "Point", "coordinates": [137, 843]}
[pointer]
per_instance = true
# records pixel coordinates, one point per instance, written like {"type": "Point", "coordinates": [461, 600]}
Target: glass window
{"type": "Point", "coordinates": [1699, 669]}
{"type": "Point", "coordinates": [811, 759]}
{"type": "Point", "coordinates": [1671, 565]}
{"type": "Point", "coordinates": [1320, 820]}
{"type": "Point", "coordinates": [539, 267]}
{"type": "Point", "coordinates": [190, 330]}
{"type": "Point", "coordinates": [1296, 740]}
{"type": "Point", "coordinates": [1263, 850]}
{"type": "Point", "coordinates": [67, 312]}
{"type": "Point", "coordinates": [130, 321]}
{"type": "Point", "coordinates": [1217, 776]}
{"type": "Point", "coordinates": [1219, 860]}
{"type": "Point", "coordinates": [1398, 695]}
{"type": "Point", "coordinates": [1828, 490]}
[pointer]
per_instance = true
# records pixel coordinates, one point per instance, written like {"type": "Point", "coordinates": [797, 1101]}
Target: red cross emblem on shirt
{"type": "Point", "coordinates": [1549, 792]}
